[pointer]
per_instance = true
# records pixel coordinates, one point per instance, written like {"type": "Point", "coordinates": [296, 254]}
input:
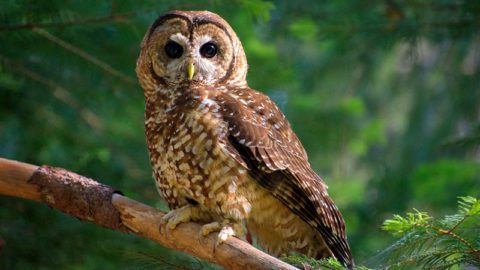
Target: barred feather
{"type": "Point", "coordinates": [264, 141]}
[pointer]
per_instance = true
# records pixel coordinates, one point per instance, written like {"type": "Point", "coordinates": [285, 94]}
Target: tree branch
{"type": "Point", "coordinates": [83, 54]}
{"type": "Point", "coordinates": [58, 91]}
{"type": "Point", "coordinates": [89, 200]}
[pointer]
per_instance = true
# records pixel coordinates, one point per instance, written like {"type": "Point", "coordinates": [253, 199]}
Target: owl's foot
{"type": "Point", "coordinates": [210, 227]}
{"type": "Point", "coordinates": [225, 233]}
{"type": "Point", "coordinates": [225, 229]}
{"type": "Point", "coordinates": [180, 215]}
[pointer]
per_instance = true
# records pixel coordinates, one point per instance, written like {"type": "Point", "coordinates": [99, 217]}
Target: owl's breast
{"type": "Point", "coordinates": [189, 162]}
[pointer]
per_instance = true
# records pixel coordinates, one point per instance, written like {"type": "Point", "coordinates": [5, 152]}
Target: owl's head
{"type": "Point", "coordinates": [190, 47]}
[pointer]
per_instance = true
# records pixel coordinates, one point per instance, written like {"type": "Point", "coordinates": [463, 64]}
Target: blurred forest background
{"type": "Point", "coordinates": [385, 98]}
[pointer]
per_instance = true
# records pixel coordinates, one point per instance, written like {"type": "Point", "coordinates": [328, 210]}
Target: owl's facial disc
{"type": "Point", "coordinates": [191, 60]}
{"type": "Point", "coordinates": [185, 52]}
{"type": "Point", "coordinates": [190, 47]}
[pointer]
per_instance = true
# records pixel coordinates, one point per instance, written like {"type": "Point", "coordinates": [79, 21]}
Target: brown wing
{"type": "Point", "coordinates": [260, 138]}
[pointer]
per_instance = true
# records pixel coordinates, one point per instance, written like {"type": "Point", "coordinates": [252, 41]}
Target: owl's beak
{"type": "Point", "coordinates": [190, 69]}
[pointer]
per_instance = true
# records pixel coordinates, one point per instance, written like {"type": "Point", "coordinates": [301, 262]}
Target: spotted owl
{"type": "Point", "coordinates": [222, 153]}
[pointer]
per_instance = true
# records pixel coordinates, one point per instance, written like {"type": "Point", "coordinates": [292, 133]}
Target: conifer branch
{"type": "Point", "coordinates": [456, 236]}
{"type": "Point", "coordinates": [89, 200]}
{"type": "Point", "coordinates": [429, 243]}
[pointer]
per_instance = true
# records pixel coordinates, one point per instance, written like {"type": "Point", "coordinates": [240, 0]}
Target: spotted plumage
{"type": "Point", "coordinates": [224, 154]}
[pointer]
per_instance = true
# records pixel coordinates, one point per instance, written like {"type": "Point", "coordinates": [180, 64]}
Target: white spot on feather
{"type": "Point", "coordinates": [232, 187]}
{"type": "Point", "coordinates": [207, 102]}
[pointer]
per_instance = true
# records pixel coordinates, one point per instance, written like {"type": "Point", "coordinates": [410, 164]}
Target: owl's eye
{"type": "Point", "coordinates": [173, 49]}
{"type": "Point", "coordinates": [208, 50]}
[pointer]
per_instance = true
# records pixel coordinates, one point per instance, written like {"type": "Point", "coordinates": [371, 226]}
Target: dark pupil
{"type": "Point", "coordinates": [208, 50]}
{"type": "Point", "coordinates": [173, 49]}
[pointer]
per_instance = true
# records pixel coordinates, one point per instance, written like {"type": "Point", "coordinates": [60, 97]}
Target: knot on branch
{"type": "Point", "coordinates": [78, 196]}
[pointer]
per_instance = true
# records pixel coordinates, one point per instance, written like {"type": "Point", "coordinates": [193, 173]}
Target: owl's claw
{"type": "Point", "coordinates": [224, 229]}
{"type": "Point", "coordinates": [224, 234]}
{"type": "Point", "coordinates": [175, 217]}
{"type": "Point", "coordinates": [210, 227]}
{"type": "Point", "coordinates": [188, 213]}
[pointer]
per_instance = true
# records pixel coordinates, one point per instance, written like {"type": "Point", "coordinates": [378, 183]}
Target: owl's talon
{"type": "Point", "coordinates": [224, 234]}
{"type": "Point", "coordinates": [225, 230]}
{"type": "Point", "coordinates": [174, 217]}
{"type": "Point", "coordinates": [210, 227]}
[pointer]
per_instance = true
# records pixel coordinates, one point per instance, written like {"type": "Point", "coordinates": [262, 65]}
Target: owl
{"type": "Point", "coordinates": [222, 153]}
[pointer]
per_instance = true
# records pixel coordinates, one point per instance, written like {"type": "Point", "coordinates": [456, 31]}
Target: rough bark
{"type": "Point", "coordinates": [89, 200]}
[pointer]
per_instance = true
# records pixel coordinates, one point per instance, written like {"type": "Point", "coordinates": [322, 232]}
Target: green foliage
{"type": "Point", "coordinates": [304, 29]}
{"type": "Point", "coordinates": [383, 96]}
{"type": "Point", "coordinates": [304, 262]}
{"type": "Point", "coordinates": [152, 261]}
{"type": "Point", "coordinates": [399, 225]}
{"type": "Point", "coordinates": [436, 178]}
{"type": "Point", "coordinates": [452, 242]}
